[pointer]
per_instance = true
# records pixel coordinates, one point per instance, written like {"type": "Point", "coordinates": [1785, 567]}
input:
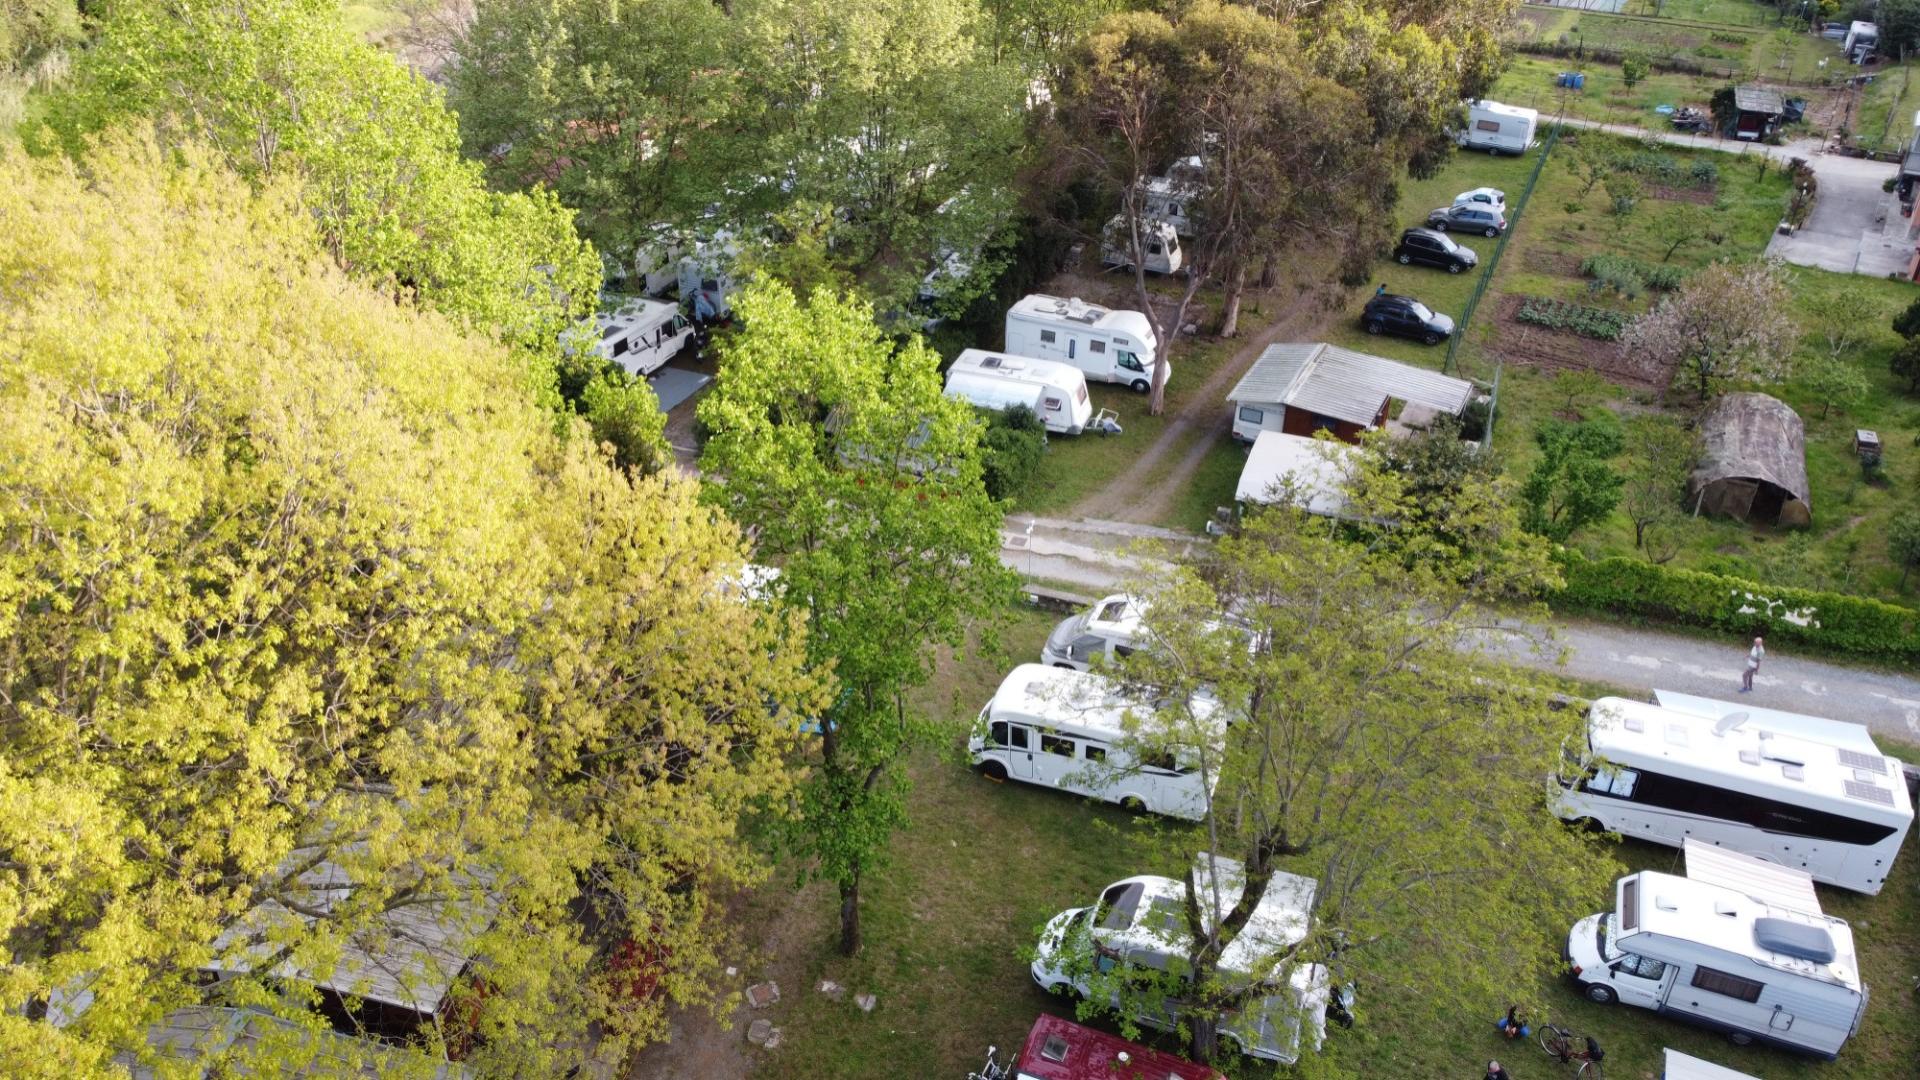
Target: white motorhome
{"type": "Point", "coordinates": [706, 274]}
{"type": "Point", "coordinates": [1056, 392]}
{"type": "Point", "coordinates": [1072, 731]}
{"type": "Point", "coordinates": [642, 335]}
{"type": "Point", "coordinates": [1726, 948]}
{"type": "Point", "coordinates": [1107, 631]}
{"type": "Point", "coordinates": [1801, 791]}
{"type": "Point", "coordinates": [1140, 922]}
{"type": "Point", "coordinates": [1159, 243]}
{"type": "Point", "coordinates": [1106, 344]}
{"type": "Point", "coordinates": [1171, 198]}
{"type": "Point", "coordinates": [1499, 129]}
{"type": "Point", "coordinates": [656, 260]}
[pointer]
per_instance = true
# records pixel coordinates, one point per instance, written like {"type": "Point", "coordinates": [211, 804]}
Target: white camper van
{"type": "Point", "coordinates": [1069, 730]}
{"type": "Point", "coordinates": [1499, 129]}
{"type": "Point", "coordinates": [1801, 791]}
{"type": "Point", "coordinates": [1171, 198]}
{"type": "Point", "coordinates": [706, 273]}
{"type": "Point", "coordinates": [1140, 922]}
{"type": "Point", "coordinates": [1725, 950]}
{"type": "Point", "coordinates": [1106, 344]}
{"type": "Point", "coordinates": [1159, 242]}
{"type": "Point", "coordinates": [642, 335]}
{"type": "Point", "coordinates": [1108, 631]}
{"type": "Point", "coordinates": [1056, 392]}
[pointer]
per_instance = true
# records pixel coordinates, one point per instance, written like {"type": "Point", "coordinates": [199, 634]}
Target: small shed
{"type": "Point", "coordinates": [1757, 111]}
{"type": "Point", "coordinates": [1308, 386]}
{"type": "Point", "coordinates": [1753, 462]}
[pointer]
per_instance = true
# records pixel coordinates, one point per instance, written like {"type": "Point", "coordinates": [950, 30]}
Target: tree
{"type": "Point", "coordinates": [1366, 746]}
{"type": "Point", "coordinates": [863, 482]}
{"type": "Point", "coordinates": [1624, 193]}
{"type": "Point", "coordinates": [1633, 68]}
{"type": "Point", "coordinates": [1899, 22]}
{"type": "Point", "coordinates": [1727, 322]}
{"type": "Point", "coordinates": [1573, 484]}
{"type": "Point", "coordinates": [1684, 223]}
{"type": "Point", "coordinates": [1590, 164]}
{"type": "Point", "coordinates": [1845, 319]}
{"type": "Point", "coordinates": [1663, 455]}
{"type": "Point", "coordinates": [1903, 543]}
{"type": "Point", "coordinates": [1831, 381]}
{"type": "Point", "coordinates": [1907, 323]}
{"type": "Point", "coordinates": [1905, 363]}
{"type": "Point", "coordinates": [293, 575]}
{"type": "Point", "coordinates": [1578, 386]}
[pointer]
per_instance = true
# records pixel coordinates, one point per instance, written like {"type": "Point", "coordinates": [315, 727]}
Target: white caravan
{"type": "Point", "coordinates": [1801, 791]}
{"type": "Point", "coordinates": [1140, 922]}
{"type": "Point", "coordinates": [1171, 198]}
{"type": "Point", "coordinates": [1056, 392]}
{"type": "Point", "coordinates": [1159, 242]}
{"type": "Point", "coordinates": [1107, 631]}
{"type": "Point", "coordinates": [1499, 129]}
{"type": "Point", "coordinates": [707, 273]}
{"type": "Point", "coordinates": [1725, 950]}
{"type": "Point", "coordinates": [1106, 344]}
{"type": "Point", "coordinates": [1071, 730]}
{"type": "Point", "coordinates": [642, 335]}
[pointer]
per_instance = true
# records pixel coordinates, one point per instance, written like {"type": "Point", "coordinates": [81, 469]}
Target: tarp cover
{"type": "Point", "coordinates": [1753, 461]}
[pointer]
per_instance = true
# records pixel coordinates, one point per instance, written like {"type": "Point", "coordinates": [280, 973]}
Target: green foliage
{"type": "Point", "coordinates": [1907, 323]}
{"type": "Point", "coordinates": [1903, 542]}
{"type": "Point", "coordinates": [625, 414]}
{"type": "Point", "coordinates": [1832, 379]}
{"type": "Point", "coordinates": [1598, 323]}
{"type": "Point", "coordinates": [1899, 22]}
{"type": "Point", "coordinates": [1658, 276]}
{"type": "Point", "coordinates": [1831, 621]}
{"type": "Point", "coordinates": [1633, 68]}
{"type": "Point", "coordinates": [1572, 485]}
{"type": "Point", "coordinates": [30, 29]}
{"type": "Point", "coordinates": [1014, 443]}
{"type": "Point", "coordinates": [1664, 451]}
{"type": "Point", "coordinates": [1905, 363]}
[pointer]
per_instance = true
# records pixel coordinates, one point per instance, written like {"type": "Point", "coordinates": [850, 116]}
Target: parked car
{"type": "Point", "coordinates": [1468, 217]}
{"type": "Point", "coordinates": [1434, 249]}
{"type": "Point", "coordinates": [1403, 316]}
{"type": "Point", "coordinates": [1485, 196]}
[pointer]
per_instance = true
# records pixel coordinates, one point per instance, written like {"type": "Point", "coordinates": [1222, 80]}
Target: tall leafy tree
{"type": "Point", "coordinates": [863, 483]}
{"type": "Point", "coordinates": [1726, 323]}
{"type": "Point", "coordinates": [1664, 452]}
{"type": "Point", "coordinates": [293, 574]}
{"type": "Point", "coordinates": [1573, 483]}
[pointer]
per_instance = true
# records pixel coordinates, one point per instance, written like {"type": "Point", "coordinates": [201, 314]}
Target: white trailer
{"type": "Point", "coordinates": [1499, 129]}
{"type": "Point", "coordinates": [1056, 392]}
{"type": "Point", "coordinates": [706, 276]}
{"type": "Point", "coordinates": [642, 335]}
{"type": "Point", "coordinates": [1140, 922]}
{"type": "Point", "coordinates": [1726, 954]}
{"type": "Point", "coordinates": [1079, 733]}
{"type": "Point", "coordinates": [1808, 793]}
{"type": "Point", "coordinates": [1171, 198]}
{"type": "Point", "coordinates": [1104, 343]}
{"type": "Point", "coordinates": [1107, 632]}
{"type": "Point", "coordinates": [1159, 242]}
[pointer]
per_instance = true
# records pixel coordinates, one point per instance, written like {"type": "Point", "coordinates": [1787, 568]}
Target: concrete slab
{"type": "Point", "coordinates": [1855, 227]}
{"type": "Point", "coordinates": [673, 386]}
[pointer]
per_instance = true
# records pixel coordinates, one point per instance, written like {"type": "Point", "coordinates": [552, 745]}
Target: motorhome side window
{"type": "Point", "coordinates": [1641, 967]}
{"type": "Point", "coordinates": [1692, 797]}
{"type": "Point", "coordinates": [1130, 362]}
{"type": "Point", "coordinates": [1733, 986]}
{"type": "Point", "coordinates": [1054, 404]}
{"type": "Point", "coordinates": [620, 347]}
{"type": "Point", "coordinates": [1486, 125]}
{"type": "Point", "coordinates": [1112, 611]}
{"type": "Point", "coordinates": [1047, 336]}
{"type": "Point", "coordinates": [1607, 780]}
{"type": "Point", "coordinates": [997, 732]}
{"type": "Point", "coordinates": [1094, 752]}
{"type": "Point", "coordinates": [1014, 736]}
{"type": "Point", "coordinates": [1101, 346]}
{"type": "Point", "coordinates": [1056, 744]}
{"type": "Point", "coordinates": [1251, 415]}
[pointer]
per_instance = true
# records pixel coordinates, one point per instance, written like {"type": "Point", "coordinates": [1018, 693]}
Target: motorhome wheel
{"type": "Point", "coordinates": [994, 771]}
{"type": "Point", "coordinates": [1139, 386]}
{"type": "Point", "coordinates": [1600, 994]}
{"type": "Point", "coordinates": [1133, 805]}
{"type": "Point", "coordinates": [1740, 1038]}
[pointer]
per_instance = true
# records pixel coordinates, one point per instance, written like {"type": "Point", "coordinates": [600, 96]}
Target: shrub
{"type": "Point", "coordinates": [1703, 173]}
{"type": "Point", "coordinates": [1660, 277]}
{"type": "Point", "coordinates": [1726, 38]}
{"type": "Point", "coordinates": [1597, 323]}
{"type": "Point", "coordinates": [1013, 445]}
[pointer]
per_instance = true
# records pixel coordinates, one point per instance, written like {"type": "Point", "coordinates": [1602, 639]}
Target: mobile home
{"type": "Point", "coordinates": [1808, 793]}
{"type": "Point", "coordinates": [1159, 245]}
{"type": "Point", "coordinates": [1056, 392]}
{"type": "Point", "coordinates": [1106, 344]}
{"type": "Point", "coordinates": [1076, 732]}
{"type": "Point", "coordinates": [642, 335]}
{"type": "Point", "coordinates": [1140, 922]}
{"type": "Point", "coordinates": [1726, 954]}
{"type": "Point", "coordinates": [1171, 198]}
{"type": "Point", "coordinates": [1107, 631]}
{"type": "Point", "coordinates": [706, 276]}
{"type": "Point", "coordinates": [1058, 1049]}
{"type": "Point", "coordinates": [1499, 129]}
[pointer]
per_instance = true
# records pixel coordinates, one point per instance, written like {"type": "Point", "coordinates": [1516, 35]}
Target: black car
{"type": "Point", "coordinates": [1403, 316]}
{"type": "Point", "coordinates": [1434, 249]}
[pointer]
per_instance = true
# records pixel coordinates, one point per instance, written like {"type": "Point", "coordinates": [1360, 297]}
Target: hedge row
{"type": "Point", "coordinates": [1831, 621]}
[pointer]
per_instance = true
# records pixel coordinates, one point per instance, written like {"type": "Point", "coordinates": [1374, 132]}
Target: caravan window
{"type": "Point", "coordinates": [1054, 404]}
{"type": "Point", "coordinates": [1094, 752]}
{"type": "Point", "coordinates": [1056, 744]}
{"type": "Point", "coordinates": [1606, 780]}
{"type": "Point", "coordinates": [620, 347]}
{"type": "Point", "coordinates": [1016, 737]}
{"type": "Point", "coordinates": [1251, 415]}
{"type": "Point", "coordinates": [1772, 815]}
{"type": "Point", "coordinates": [1733, 986]}
{"type": "Point", "coordinates": [997, 733]}
{"type": "Point", "coordinates": [1097, 346]}
{"type": "Point", "coordinates": [1083, 393]}
{"type": "Point", "coordinates": [1152, 249]}
{"type": "Point", "coordinates": [1112, 610]}
{"type": "Point", "coordinates": [1486, 125]}
{"type": "Point", "coordinates": [1047, 336]}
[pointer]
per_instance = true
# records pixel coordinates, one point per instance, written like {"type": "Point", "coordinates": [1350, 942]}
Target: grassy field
{"type": "Point", "coordinates": [982, 866]}
{"type": "Point", "coordinates": [1883, 115]}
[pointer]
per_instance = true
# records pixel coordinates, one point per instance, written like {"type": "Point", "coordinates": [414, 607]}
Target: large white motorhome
{"type": "Point", "coordinates": [1171, 198]}
{"type": "Point", "coordinates": [1106, 344]}
{"type": "Point", "coordinates": [1107, 631]}
{"type": "Point", "coordinates": [1499, 129]}
{"type": "Point", "coordinates": [1056, 392]}
{"type": "Point", "coordinates": [1140, 922]}
{"type": "Point", "coordinates": [1738, 945]}
{"type": "Point", "coordinates": [706, 276]}
{"type": "Point", "coordinates": [1801, 791]}
{"type": "Point", "coordinates": [642, 335]}
{"type": "Point", "coordinates": [1071, 730]}
{"type": "Point", "coordinates": [1159, 243]}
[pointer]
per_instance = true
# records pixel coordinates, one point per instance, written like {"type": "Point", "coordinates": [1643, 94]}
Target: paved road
{"type": "Point", "coordinates": [1097, 557]}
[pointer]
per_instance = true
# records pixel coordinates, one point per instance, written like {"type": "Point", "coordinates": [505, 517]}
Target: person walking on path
{"type": "Point", "coordinates": [1754, 656]}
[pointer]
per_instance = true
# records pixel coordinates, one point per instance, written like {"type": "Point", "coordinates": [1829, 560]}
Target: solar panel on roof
{"type": "Point", "coordinates": [1872, 793]}
{"type": "Point", "coordinates": [1854, 759]}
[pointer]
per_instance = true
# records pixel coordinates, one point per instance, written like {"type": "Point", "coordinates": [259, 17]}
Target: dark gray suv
{"type": "Point", "coordinates": [1434, 249]}
{"type": "Point", "coordinates": [1468, 217]}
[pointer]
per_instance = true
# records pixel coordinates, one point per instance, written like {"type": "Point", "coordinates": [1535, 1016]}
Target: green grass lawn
{"type": "Point", "coordinates": [1883, 118]}
{"type": "Point", "coordinates": [981, 866]}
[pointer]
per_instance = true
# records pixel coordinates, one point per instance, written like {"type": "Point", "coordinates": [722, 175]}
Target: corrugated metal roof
{"type": "Point", "coordinates": [198, 1040]}
{"type": "Point", "coordinates": [1770, 883]}
{"type": "Point", "coordinates": [1759, 99]}
{"type": "Point", "coordinates": [1345, 384]}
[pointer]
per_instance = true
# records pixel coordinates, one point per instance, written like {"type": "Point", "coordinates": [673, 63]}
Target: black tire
{"type": "Point", "coordinates": [1375, 326]}
{"type": "Point", "coordinates": [1438, 225]}
{"type": "Point", "coordinates": [1493, 151]}
{"type": "Point", "coordinates": [1491, 233]}
{"type": "Point", "coordinates": [1591, 825]}
{"type": "Point", "coordinates": [1453, 268]}
{"type": "Point", "coordinates": [1405, 259]}
{"type": "Point", "coordinates": [1139, 386]}
{"type": "Point", "coordinates": [1069, 667]}
{"type": "Point", "coordinates": [1430, 338]}
{"type": "Point", "coordinates": [1600, 994]}
{"type": "Point", "coordinates": [994, 771]}
{"type": "Point", "coordinates": [1132, 805]}
{"type": "Point", "coordinates": [1555, 1042]}
{"type": "Point", "coordinates": [1739, 1038]}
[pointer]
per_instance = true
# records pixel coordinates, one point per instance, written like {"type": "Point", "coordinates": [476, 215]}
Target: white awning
{"type": "Point", "coordinates": [1770, 883]}
{"type": "Point", "coordinates": [1681, 1066]}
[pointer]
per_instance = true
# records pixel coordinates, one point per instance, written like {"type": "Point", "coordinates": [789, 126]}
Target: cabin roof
{"type": "Point", "coordinates": [1343, 384]}
{"type": "Point", "coordinates": [1724, 919]}
{"type": "Point", "coordinates": [1758, 99]}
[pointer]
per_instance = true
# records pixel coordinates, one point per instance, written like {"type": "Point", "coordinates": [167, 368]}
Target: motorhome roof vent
{"type": "Point", "coordinates": [1665, 903]}
{"type": "Point", "coordinates": [1872, 793]}
{"type": "Point", "coordinates": [1729, 722]}
{"type": "Point", "coordinates": [1749, 757]}
{"type": "Point", "coordinates": [1793, 772]}
{"type": "Point", "coordinates": [1873, 763]}
{"type": "Point", "coordinates": [1725, 907]}
{"type": "Point", "coordinates": [1676, 735]}
{"type": "Point", "coordinates": [1054, 1049]}
{"type": "Point", "coordinates": [1798, 940]}
{"type": "Point", "coordinates": [991, 362]}
{"type": "Point", "coordinates": [1635, 724]}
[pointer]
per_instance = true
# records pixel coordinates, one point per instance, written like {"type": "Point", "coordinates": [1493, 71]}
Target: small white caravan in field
{"type": "Point", "coordinates": [1108, 631]}
{"type": "Point", "coordinates": [1140, 923]}
{"type": "Point", "coordinates": [1159, 245]}
{"type": "Point", "coordinates": [1802, 791]}
{"type": "Point", "coordinates": [642, 335]}
{"type": "Point", "coordinates": [1499, 129]}
{"type": "Point", "coordinates": [1074, 731]}
{"type": "Point", "coordinates": [1739, 945]}
{"type": "Point", "coordinates": [1056, 392]}
{"type": "Point", "coordinates": [1111, 345]}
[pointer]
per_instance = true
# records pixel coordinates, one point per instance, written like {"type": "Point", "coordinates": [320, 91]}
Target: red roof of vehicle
{"type": "Point", "coordinates": [1062, 1050]}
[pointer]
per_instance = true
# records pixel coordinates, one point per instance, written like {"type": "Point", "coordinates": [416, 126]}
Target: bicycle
{"type": "Point", "coordinates": [992, 1070]}
{"type": "Point", "coordinates": [1560, 1043]}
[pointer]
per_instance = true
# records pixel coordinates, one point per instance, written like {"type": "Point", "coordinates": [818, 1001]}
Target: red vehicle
{"type": "Point", "coordinates": [1059, 1049]}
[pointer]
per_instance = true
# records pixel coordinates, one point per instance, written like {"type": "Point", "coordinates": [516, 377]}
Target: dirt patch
{"type": "Point", "coordinates": [1535, 346]}
{"type": "Point", "coordinates": [1557, 263]}
{"type": "Point", "coordinates": [1698, 196]}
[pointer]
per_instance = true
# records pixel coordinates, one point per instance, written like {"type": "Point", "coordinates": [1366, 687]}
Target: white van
{"type": "Point", "coordinates": [1070, 730]}
{"type": "Point", "coordinates": [1107, 631]}
{"type": "Point", "coordinates": [1171, 198]}
{"type": "Point", "coordinates": [642, 335]}
{"type": "Point", "coordinates": [1159, 240]}
{"type": "Point", "coordinates": [1056, 392]}
{"type": "Point", "coordinates": [1106, 344]}
{"type": "Point", "coordinates": [1499, 129]}
{"type": "Point", "coordinates": [1140, 922]}
{"type": "Point", "coordinates": [706, 273]}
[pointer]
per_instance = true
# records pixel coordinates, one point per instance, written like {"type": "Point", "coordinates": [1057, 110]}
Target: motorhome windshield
{"type": "Point", "coordinates": [1118, 905]}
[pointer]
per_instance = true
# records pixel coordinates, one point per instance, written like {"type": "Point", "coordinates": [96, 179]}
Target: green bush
{"type": "Point", "coordinates": [1012, 447]}
{"type": "Point", "coordinates": [1661, 277]}
{"type": "Point", "coordinates": [1597, 323]}
{"type": "Point", "coordinates": [1741, 609]}
{"type": "Point", "coordinates": [1703, 173]}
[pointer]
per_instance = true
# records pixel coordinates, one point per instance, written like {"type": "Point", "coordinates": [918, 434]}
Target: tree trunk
{"type": "Point", "coordinates": [850, 918]}
{"type": "Point", "coordinates": [1269, 271]}
{"type": "Point", "coordinates": [1230, 311]}
{"type": "Point", "coordinates": [1639, 534]}
{"type": "Point", "coordinates": [1206, 1037]}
